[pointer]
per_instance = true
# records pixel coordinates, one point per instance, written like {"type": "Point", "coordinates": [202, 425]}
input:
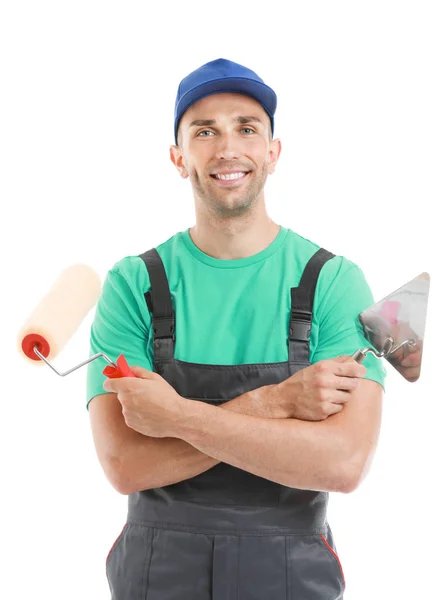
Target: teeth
{"type": "Point", "coordinates": [230, 176]}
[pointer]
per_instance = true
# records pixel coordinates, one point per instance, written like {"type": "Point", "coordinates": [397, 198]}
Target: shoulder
{"type": "Point", "coordinates": [303, 249]}
{"type": "Point", "coordinates": [340, 279]}
{"type": "Point", "coordinates": [131, 269]}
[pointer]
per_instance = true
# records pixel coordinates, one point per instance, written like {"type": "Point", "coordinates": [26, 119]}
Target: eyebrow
{"type": "Point", "coordinates": [210, 122]}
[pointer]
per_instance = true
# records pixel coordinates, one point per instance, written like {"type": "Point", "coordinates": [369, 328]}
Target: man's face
{"type": "Point", "coordinates": [225, 148]}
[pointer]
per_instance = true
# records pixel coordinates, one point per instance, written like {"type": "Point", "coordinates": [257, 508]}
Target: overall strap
{"type": "Point", "coordinates": [160, 305]}
{"type": "Point", "coordinates": [302, 307]}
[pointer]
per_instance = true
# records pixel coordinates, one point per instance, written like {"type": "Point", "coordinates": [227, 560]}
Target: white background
{"type": "Point", "coordinates": [87, 99]}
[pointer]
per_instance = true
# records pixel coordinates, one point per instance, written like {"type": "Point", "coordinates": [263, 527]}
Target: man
{"type": "Point", "coordinates": [246, 410]}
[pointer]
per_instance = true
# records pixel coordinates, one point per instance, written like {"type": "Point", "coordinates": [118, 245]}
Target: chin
{"type": "Point", "coordinates": [235, 208]}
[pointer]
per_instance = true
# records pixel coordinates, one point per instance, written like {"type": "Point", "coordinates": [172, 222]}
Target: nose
{"type": "Point", "coordinates": [227, 149]}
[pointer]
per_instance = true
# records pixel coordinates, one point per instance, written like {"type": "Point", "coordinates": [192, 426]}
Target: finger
{"type": "Point", "coordinates": [335, 408]}
{"type": "Point", "coordinates": [108, 385]}
{"type": "Point", "coordinates": [412, 360]}
{"type": "Point", "coordinates": [336, 359]}
{"type": "Point", "coordinates": [410, 373]}
{"type": "Point", "coordinates": [345, 383]}
{"type": "Point", "coordinates": [340, 396]}
{"type": "Point", "coordinates": [346, 366]}
{"type": "Point", "coordinates": [342, 359]}
{"type": "Point", "coordinates": [143, 373]}
{"type": "Point", "coordinates": [116, 384]}
{"type": "Point", "coordinates": [350, 368]}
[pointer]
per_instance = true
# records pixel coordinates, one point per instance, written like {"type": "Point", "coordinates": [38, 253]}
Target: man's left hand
{"type": "Point", "coordinates": [150, 405]}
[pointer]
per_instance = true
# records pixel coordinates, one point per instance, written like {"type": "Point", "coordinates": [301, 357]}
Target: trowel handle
{"type": "Point", "coordinates": [358, 356]}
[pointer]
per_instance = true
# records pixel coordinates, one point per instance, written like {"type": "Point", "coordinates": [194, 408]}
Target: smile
{"type": "Point", "coordinates": [230, 175]}
{"type": "Point", "coordinates": [230, 178]}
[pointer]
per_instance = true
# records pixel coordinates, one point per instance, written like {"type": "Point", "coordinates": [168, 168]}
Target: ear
{"type": "Point", "coordinates": [176, 156]}
{"type": "Point", "coordinates": [274, 153]}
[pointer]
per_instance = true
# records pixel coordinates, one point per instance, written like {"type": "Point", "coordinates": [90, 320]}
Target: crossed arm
{"type": "Point", "coordinates": [330, 455]}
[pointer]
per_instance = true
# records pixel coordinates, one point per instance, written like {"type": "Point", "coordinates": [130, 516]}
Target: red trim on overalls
{"type": "Point", "coordinates": [116, 540]}
{"type": "Point", "coordinates": [334, 554]}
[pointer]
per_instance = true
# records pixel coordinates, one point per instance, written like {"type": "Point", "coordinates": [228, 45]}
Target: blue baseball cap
{"type": "Point", "coordinates": [222, 75]}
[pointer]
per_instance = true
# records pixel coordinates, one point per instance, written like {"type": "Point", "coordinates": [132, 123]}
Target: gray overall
{"type": "Point", "coordinates": [226, 534]}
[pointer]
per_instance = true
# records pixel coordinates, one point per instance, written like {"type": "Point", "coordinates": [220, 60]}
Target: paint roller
{"type": "Point", "coordinates": [57, 317]}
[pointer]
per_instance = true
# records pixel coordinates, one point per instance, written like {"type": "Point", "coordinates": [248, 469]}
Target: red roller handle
{"type": "Point", "coordinates": [121, 370]}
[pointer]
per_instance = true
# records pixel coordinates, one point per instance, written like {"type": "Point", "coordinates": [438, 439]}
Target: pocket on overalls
{"type": "Point", "coordinates": [114, 545]}
{"type": "Point", "coordinates": [314, 571]}
{"type": "Point", "coordinates": [128, 562]}
{"type": "Point", "coordinates": [335, 556]}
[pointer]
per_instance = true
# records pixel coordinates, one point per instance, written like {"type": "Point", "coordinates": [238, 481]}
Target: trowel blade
{"type": "Point", "coordinates": [399, 320]}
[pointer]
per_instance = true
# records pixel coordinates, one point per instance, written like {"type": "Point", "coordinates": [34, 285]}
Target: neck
{"type": "Point", "coordinates": [234, 237]}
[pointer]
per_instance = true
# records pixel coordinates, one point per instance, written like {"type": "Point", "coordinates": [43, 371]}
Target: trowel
{"type": "Point", "coordinates": [395, 327]}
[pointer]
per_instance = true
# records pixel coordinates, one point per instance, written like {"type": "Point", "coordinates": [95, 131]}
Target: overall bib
{"type": "Point", "coordinates": [226, 534]}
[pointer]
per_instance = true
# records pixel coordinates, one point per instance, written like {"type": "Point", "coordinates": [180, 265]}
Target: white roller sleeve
{"type": "Point", "coordinates": [60, 312]}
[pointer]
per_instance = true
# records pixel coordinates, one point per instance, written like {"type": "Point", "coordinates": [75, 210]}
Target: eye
{"type": "Point", "coordinates": [248, 129]}
{"type": "Point", "coordinates": [203, 131]}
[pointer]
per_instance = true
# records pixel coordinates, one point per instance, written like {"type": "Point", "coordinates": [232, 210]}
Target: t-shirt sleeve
{"type": "Point", "coordinates": [342, 295]}
{"type": "Point", "coordinates": [121, 325]}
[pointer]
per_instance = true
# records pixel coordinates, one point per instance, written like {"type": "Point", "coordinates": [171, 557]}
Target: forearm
{"type": "Point", "coordinates": [309, 455]}
{"type": "Point", "coordinates": [150, 462]}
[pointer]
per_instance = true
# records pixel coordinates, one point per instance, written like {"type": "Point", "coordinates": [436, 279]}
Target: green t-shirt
{"type": "Point", "coordinates": [230, 312]}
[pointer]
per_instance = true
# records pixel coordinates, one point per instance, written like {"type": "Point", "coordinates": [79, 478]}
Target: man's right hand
{"type": "Point", "coordinates": [315, 392]}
